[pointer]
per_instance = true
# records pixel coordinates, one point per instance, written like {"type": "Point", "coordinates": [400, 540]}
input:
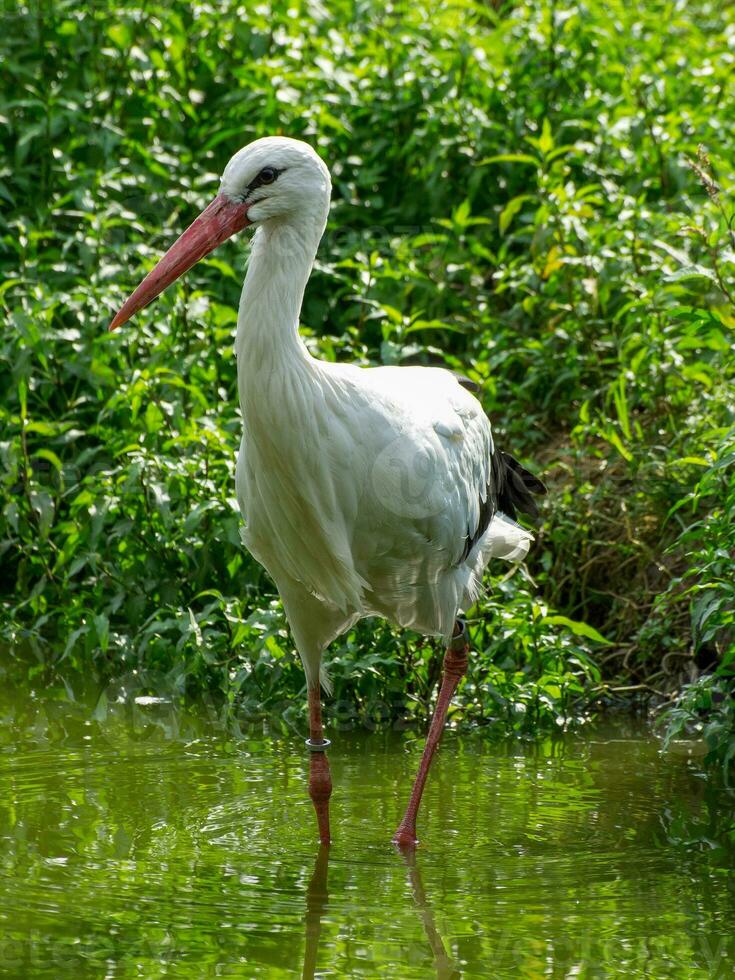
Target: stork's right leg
{"type": "Point", "coordinates": [455, 667]}
{"type": "Point", "coordinates": [320, 778]}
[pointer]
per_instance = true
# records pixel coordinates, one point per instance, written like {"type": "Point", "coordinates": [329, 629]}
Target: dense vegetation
{"type": "Point", "coordinates": [538, 194]}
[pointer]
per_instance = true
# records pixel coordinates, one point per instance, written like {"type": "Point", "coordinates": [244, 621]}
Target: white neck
{"type": "Point", "coordinates": [267, 340]}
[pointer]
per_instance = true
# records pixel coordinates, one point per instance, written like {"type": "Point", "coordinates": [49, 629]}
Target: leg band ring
{"type": "Point", "coordinates": [459, 641]}
{"type": "Point", "coordinates": [318, 746]}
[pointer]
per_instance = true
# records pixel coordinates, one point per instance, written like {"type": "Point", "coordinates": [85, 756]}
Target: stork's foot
{"type": "Point", "coordinates": [455, 667]}
{"type": "Point", "coordinates": [405, 836]}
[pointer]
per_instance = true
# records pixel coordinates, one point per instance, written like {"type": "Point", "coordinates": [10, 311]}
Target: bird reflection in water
{"type": "Point", "coordinates": [317, 899]}
{"type": "Point", "coordinates": [446, 968]}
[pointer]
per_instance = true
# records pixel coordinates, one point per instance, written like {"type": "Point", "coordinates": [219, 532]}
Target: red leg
{"type": "Point", "coordinates": [320, 778]}
{"type": "Point", "coordinates": [455, 666]}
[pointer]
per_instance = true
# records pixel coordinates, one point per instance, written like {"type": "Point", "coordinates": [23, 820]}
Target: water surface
{"type": "Point", "coordinates": [137, 847]}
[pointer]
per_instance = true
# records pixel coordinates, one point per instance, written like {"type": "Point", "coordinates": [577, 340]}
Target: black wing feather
{"type": "Point", "coordinates": [466, 382]}
{"type": "Point", "coordinates": [511, 489]}
{"type": "Point", "coordinates": [515, 486]}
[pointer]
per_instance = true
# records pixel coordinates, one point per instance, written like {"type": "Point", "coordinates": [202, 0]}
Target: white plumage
{"type": "Point", "coordinates": [358, 486]}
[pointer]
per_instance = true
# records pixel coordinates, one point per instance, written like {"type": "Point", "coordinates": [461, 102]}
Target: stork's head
{"type": "Point", "coordinates": [273, 179]}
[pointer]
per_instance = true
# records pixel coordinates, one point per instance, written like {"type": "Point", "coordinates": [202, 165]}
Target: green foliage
{"type": "Point", "coordinates": [518, 193]}
{"type": "Point", "coordinates": [705, 708]}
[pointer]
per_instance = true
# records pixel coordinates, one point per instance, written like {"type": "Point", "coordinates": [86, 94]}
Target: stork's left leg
{"type": "Point", "coordinates": [455, 667]}
{"type": "Point", "coordinates": [320, 778]}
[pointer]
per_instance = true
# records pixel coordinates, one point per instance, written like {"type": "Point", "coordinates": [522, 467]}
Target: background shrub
{"type": "Point", "coordinates": [538, 194]}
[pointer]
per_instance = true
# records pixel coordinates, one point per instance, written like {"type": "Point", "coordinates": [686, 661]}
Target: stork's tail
{"type": "Point", "coordinates": [515, 486]}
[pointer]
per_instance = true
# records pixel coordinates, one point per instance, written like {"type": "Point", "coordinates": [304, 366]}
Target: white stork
{"type": "Point", "coordinates": [364, 491]}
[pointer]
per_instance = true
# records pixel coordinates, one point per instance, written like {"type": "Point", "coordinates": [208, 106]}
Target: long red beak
{"type": "Point", "coordinates": [214, 225]}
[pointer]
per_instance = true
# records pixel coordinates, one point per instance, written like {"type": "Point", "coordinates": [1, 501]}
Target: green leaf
{"type": "Point", "coordinates": [546, 140]}
{"type": "Point", "coordinates": [614, 439]}
{"type": "Point", "coordinates": [690, 461]}
{"type": "Point", "coordinates": [102, 629]}
{"type": "Point", "coordinates": [120, 34]}
{"type": "Point", "coordinates": [579, 629]}
{"type": "Point", "coordinates": [510, 210]}
{"type": "Point", "coordinates": [509, 158]}
{"type": "Point", "coordinates": [50, 455]}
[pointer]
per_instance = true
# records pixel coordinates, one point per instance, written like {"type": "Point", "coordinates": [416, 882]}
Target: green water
{"type": "Point", "coordinates": [141, 846]}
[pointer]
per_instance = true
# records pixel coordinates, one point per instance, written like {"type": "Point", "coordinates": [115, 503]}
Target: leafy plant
{"type": "Point", "coordinates": [538, 195]}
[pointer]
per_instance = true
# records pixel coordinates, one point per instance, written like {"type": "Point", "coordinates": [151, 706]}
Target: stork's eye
{"type": "Point", "coordinates": [267, 175]}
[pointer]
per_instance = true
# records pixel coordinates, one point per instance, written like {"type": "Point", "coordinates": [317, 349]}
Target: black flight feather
{"type": "Point", "coordinates": [514, 486]}
{"type": "Point", "coordinates": [510, 490]}
{"type": "Point", "coordinates": [466, 382]}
